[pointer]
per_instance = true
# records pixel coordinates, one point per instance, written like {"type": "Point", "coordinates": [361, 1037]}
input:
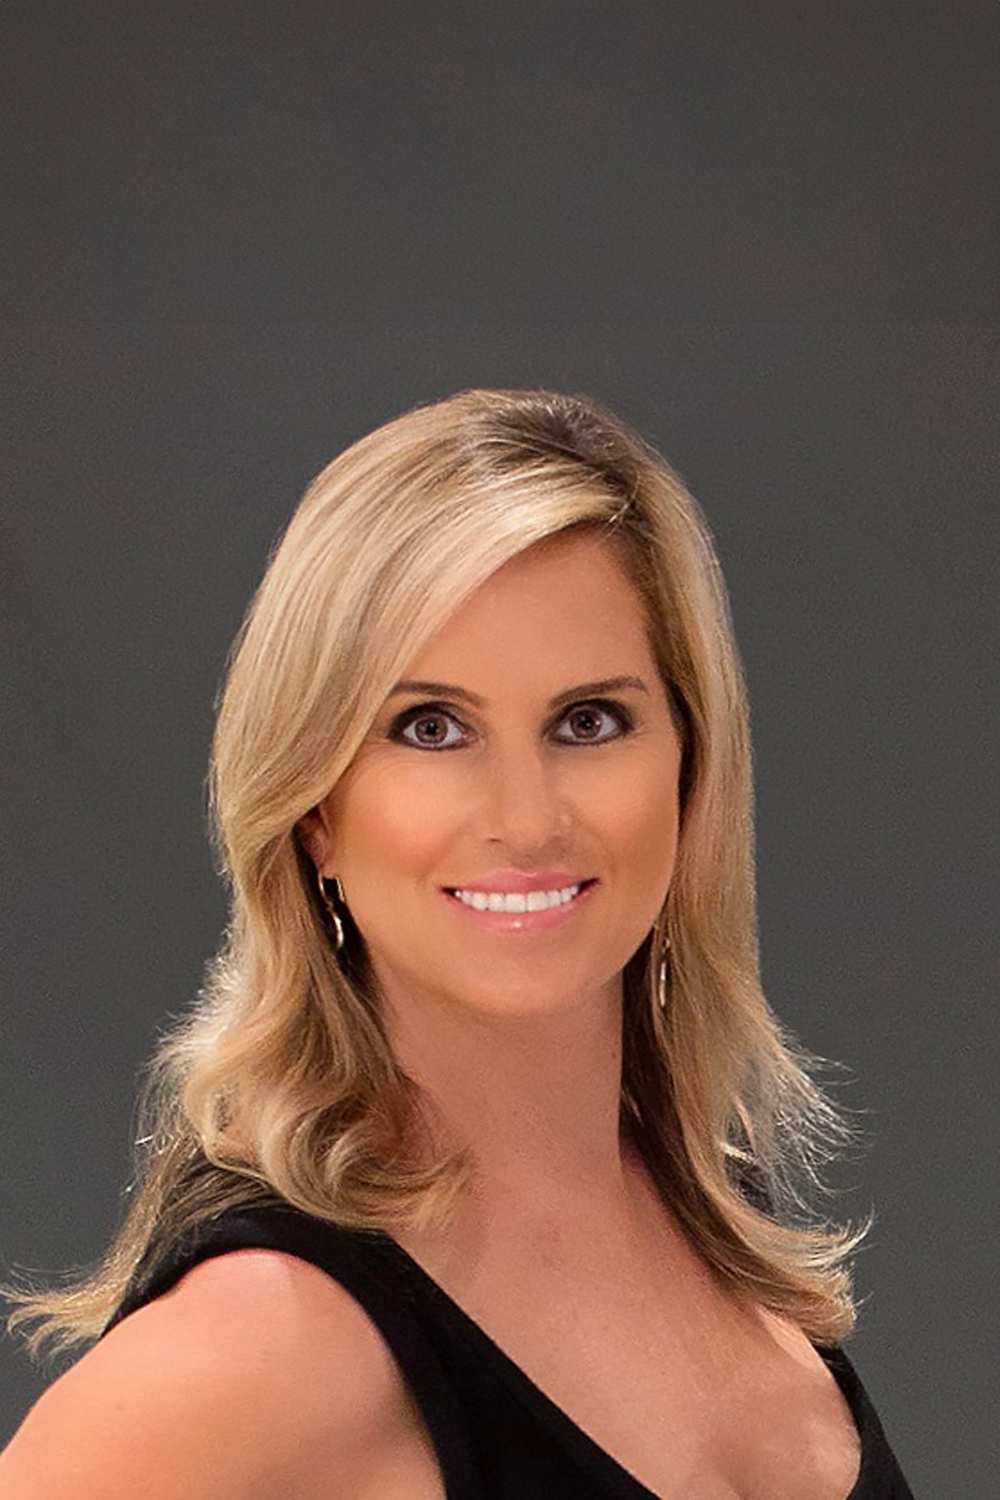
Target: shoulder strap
{"type": "Point", "coordinates": [363, 1263]}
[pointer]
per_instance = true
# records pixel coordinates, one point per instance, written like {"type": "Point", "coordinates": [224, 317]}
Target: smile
{"type": "Point", "coordinates": [520, 911]}
{"type": "Point", "coordinates": [517, 900]}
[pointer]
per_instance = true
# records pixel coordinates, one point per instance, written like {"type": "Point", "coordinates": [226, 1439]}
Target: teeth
{"type": "Point", "coordinates": [516, 901]}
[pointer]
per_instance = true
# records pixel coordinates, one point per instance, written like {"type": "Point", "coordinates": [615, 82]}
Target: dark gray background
{"type": "Point", "coordinates": [237, 235]}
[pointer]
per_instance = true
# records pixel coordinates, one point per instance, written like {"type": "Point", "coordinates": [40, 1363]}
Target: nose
{"type": "Point", "coordinates": [524, 806]}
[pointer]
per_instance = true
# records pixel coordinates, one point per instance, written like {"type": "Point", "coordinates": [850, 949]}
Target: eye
{"type": "Point", "coordinates": [596, 723]}
{"type": "Point", "coordinates": [427, 728]}
{"type": "Point", "coordinates": [432, 726]}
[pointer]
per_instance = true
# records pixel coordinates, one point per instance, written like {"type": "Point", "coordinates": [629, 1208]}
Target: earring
{"type": "Point", "coordinates": [338, 926]}
{"type": "Point", "coordinates": [661, 991]}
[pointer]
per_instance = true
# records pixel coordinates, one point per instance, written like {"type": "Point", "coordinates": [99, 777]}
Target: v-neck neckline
{"type": "Point", "coordinates": [585, 1449]}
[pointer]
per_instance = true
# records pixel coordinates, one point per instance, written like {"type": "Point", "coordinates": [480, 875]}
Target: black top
{"type": "Point", "coordinates": [496, 1434]}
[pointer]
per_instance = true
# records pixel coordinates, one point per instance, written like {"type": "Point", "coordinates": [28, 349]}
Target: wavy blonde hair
{"type": "Point", "coordinates": [280, 1084]}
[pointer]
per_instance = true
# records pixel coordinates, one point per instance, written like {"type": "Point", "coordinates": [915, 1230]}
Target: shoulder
{"type": "Point", "coordinates": [256, 1372]}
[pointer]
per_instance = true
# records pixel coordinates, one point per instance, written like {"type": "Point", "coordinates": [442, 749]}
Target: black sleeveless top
{"type": "Point", "coordinates": [497, 1436]}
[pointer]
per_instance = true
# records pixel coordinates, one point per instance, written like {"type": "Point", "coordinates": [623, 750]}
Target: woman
{"type": "Point", "coordinates": [475, 1171]}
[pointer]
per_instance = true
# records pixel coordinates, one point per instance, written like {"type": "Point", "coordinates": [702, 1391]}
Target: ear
{"type": "Point", "coordinates": [313, 831]}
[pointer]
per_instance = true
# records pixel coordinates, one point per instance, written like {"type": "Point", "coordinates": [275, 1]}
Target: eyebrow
{"type": "Point", "coordinates": [583, 690]}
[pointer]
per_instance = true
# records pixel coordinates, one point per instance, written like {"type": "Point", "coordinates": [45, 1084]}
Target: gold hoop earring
{"type": "Point", "coordinates": [338, 926]}
{"type": "Point", "coordinates": [661, 989]}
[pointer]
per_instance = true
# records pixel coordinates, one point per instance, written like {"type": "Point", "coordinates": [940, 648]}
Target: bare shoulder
{"type": "Point", "coordinates": [255, 1375]}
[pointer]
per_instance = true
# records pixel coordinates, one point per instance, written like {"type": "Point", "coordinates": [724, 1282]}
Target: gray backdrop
{"type": "Point", "coordinates": [237, 235]}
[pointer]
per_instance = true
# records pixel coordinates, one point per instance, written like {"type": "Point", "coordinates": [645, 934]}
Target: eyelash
{"type": "Point", "coordinates": [420, 711]}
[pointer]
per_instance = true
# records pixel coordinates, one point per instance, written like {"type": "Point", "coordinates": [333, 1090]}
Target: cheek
{"type": "Point", "coordinates": [391, 825]}
{"type": "Point", "coordinates": [642, 821]}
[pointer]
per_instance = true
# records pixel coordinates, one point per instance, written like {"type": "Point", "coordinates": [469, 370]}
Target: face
{"type": "Point", "coordinates": [506, 835]}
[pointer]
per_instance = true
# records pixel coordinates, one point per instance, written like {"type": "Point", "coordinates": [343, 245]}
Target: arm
{"type": "Point", "coordinates": [256, 1375]}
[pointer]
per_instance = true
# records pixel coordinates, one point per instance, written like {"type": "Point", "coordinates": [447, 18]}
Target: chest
{"type": "Point", "coordinates": [697, 1397]}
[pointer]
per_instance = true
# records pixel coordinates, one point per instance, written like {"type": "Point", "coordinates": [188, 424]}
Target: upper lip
{"type": "Point", "coordinates": [518, 882]}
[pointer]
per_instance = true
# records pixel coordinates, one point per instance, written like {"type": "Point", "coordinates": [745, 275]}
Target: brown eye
{"type": "Point", "coordinates": [427, 729]}
{"type": "Point", "coordinates": [586, 723]}
{"type": "Point", "coordinates": [596, 723]}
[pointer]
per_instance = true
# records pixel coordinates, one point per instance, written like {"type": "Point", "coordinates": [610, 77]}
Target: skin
{"type": "Point", "coordinates": [507, 1031]}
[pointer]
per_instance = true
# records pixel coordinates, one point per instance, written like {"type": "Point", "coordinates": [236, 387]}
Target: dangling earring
{"type": "Point", "coordinates": [338, 926]}
{"type": "Point", "coordinates": [661, 993]}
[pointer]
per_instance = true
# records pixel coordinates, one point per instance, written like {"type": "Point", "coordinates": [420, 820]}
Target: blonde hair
{"type": "Point", "coordinates": [280, 1084]}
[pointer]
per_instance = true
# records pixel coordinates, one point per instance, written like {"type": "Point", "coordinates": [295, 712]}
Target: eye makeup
{"type": "Point", "coordinates": [596, 707]}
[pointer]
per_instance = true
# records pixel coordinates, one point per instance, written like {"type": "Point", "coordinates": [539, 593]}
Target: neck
{"type": "Point", "coordinates": [535, 1098]}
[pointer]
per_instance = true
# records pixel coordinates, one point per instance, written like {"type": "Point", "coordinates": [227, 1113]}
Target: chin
{"type": "Point", "coordinates": [523, 1000]}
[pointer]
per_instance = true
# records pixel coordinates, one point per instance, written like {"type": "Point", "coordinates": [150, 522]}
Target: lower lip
{"type": "Point", "coordinates": [523, 921]}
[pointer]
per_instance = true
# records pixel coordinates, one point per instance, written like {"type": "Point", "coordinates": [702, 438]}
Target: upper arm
{"type": "Point", "coordinates": [254, 1376]}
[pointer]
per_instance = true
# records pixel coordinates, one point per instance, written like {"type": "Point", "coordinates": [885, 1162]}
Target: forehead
{"type": "Point", "coordinates": [564, 605]}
